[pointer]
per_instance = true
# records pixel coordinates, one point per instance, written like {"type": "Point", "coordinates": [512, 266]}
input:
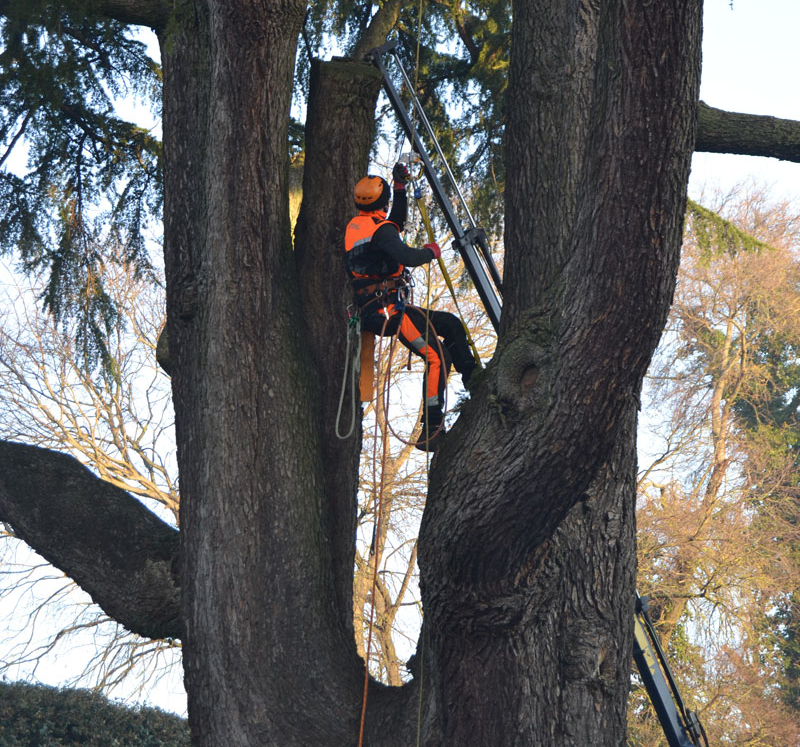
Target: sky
{"type": "Point", "coordinates": [751, 60]}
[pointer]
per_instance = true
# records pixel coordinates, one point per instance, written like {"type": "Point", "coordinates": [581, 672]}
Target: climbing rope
{"type": "Point", "coordinates": [350, 364]}
{"type": "Point", "coordinates": [378, 487]}
{"type": "Point", "coordinates": [382, 402]}
{"type": "Point", "coordinates": [426, 221]}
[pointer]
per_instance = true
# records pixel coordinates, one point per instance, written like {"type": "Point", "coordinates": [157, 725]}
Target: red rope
{"type": "Point", "coordinates": [378, 509]}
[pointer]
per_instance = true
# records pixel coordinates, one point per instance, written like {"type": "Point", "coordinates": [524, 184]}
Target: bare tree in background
{"type": "Point", "coordinates": [119, 423]}
{"type": "Point", "coordinates": [707, 525]}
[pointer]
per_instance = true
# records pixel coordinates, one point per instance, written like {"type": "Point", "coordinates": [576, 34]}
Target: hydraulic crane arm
{"type": "Point", "coordinates": [681, 726]}
{"type": "Point", "coordinates": [471, 241]}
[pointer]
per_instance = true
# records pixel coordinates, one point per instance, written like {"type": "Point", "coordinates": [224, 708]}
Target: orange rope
{"type": "Point", "coordinates": [382, 400]}
{"type": "Point", "coordinates": [378, 509]}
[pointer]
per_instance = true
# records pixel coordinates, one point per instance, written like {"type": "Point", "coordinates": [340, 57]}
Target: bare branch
{"type": "Point", "coordinates": [99, 535]}
{"type": "Point", "coordinates": [747, 134]}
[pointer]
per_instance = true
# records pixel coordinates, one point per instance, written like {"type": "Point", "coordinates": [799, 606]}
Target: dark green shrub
{"type": "Point", "coordinates": [38, 716]}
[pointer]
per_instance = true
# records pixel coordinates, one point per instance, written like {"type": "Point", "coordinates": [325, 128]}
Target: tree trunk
{"type": "Point", "coordinates": [527, 544]}
{"type": "Point", "coordinates": [527, 548]}
{"type": "Point", "coordinates": [340, 129]}
{"type": "Point", "coordinates": [266, 658]}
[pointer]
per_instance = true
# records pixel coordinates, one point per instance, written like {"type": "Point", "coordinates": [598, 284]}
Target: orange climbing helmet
{"type": "Point", "coordinates": [371, 193]}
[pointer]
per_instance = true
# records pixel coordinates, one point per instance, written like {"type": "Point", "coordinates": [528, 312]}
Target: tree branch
{"type": "Point", "coordinates": [110, 544]}
{"type": "Point", "coordinates": [379, 27]}
{"type": "Point", "coordinates": [152, 13]}
{"type": "Point", "coordinates": [747, 134]}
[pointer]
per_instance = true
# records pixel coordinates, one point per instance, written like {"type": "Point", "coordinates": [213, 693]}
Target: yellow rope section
{"type": "Point", "coordinates": [419, 39]}
{"type": "Point", "coordinates": [424, 211]}
{"type": "Point", "coordinates": [446, 275]}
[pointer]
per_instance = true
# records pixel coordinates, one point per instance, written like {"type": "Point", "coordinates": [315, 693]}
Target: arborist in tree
{"type": "Point", "coordinates": [377, 259]}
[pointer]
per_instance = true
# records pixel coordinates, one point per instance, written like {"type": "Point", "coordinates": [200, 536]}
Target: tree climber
{"type": "Point", "coordinates": [376, 261]}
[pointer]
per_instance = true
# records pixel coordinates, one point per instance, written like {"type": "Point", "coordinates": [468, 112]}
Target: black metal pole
{"type": "Point", "coordinates": [464, 241]}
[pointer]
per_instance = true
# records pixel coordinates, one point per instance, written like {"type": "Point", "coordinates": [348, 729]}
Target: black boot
{"type": "Point", "coordinates": [432, 431]}
{"type": "Point", "coordinates": [463, 360]}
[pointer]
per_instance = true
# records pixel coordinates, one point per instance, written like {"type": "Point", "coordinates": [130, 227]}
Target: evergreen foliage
{"type": "Point", "coordinates": [461, 84]}
{"type": "Point", "coordinates": [92, 182]}
{"type": "Point", "coordinates": [787, 637]}
{"type": "Point", "coordinates": [34, 716]}
{"type": "Point", "coordinates": [716, 236]}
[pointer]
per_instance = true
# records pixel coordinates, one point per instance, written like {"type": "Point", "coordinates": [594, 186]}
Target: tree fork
{"type": "Point", "coordinates": [592, 251]}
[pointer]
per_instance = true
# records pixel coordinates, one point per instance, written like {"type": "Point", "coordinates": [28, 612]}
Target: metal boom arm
{"type": "Point", "coordinates": [471, 243]}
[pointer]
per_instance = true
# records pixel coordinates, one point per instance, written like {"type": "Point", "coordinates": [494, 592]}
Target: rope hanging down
{"type": "Point", "coordinates": [381, 404]}
{"type": "Point", "coordinates": [377, 502]}
{"type": "Point", "coordinates": [351, 365]}
{"type": "Point", "coordinates": [383, 395]}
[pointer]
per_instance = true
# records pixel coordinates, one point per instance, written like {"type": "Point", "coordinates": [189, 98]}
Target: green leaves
{"type": "Point", "coordinates": [457, 54]}
{"type": "Point", "coordinates": [67, 718]}
{"type": "Point", "coordinates": [716, 236]}
{"type": "Point", "coordinates": [80, 184]}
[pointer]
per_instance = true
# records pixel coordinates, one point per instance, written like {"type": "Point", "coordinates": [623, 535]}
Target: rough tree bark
{"type": "Point", "coordinates": [339, 131]}
{"type": "Point", "coordinates": [103, 538]}
{"type": "Point", "coordinates": [747, 134]}
{"type": "Point", "coordinates": [266, 659]}
{"type": "Point", "coordinates": [527, 545]}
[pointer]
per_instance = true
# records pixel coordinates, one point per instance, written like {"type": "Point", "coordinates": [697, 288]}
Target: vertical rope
{"type": "Point", "coordinates": [421, 644]}
{"type": "Point", "coordinates": [383, 384]}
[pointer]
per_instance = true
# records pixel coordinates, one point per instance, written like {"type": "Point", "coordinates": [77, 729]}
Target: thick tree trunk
{"type": "Point", "coordinates": [527, 545]}
{"type": "Point", "coordinates": [266, 658]}
{"type": "Point", "coordinates": [340, 128]}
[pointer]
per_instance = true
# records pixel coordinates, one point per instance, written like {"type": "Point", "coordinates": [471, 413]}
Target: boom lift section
{"type": "Point", "coordinates": [470, 242]}
{"type": "Point", "coordinates": [681, 726]}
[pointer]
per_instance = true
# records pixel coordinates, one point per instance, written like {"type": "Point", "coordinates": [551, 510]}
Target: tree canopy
{"type": "Point", "coordinates": [91, 183]}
